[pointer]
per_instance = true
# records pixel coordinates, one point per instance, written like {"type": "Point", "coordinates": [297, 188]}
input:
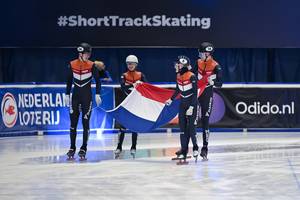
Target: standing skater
{"type": "Point", "coordinates": [128, 81]}
{"type": "Point", "coordinates": [81, 71]}
{"type": "Point", "coordinates": [209, 74]}
{"type": "Point", "coordinates": [187, 88]}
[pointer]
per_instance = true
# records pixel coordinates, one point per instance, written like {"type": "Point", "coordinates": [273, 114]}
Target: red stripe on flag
{"type": "Point", "coordinates": [155, 93]}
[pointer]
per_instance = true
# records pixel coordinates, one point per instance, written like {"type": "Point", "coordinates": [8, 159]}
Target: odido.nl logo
{"type": "Point", "coordinates": [9, 110]}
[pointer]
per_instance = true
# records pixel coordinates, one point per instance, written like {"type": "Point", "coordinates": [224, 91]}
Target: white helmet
{"type": "Point", "coordinates": [132, 59]}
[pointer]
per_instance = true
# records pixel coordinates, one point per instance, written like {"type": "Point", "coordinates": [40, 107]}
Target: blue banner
{"type": "Point", "coordinates": [42, 108]}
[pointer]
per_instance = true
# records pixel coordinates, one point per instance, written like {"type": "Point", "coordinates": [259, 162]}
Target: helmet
{"type": "Point", "coordinates": [84, 48]}
{"type": "Point", "coordinates": [184, 60]}
{"type": "Point", "coordinates": [206, 47]}
{"type": "Point", "coordinates": [186, 63]}
{"type": "Point", "coordinates": [132, 59]}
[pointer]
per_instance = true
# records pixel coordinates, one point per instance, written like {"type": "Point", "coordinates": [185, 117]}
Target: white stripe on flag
{"type": "Point", "coordinates": [142, 107]}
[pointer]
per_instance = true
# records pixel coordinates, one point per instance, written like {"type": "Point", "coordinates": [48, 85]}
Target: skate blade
{"type": "Point", "coordinates": [182, 163]}
{"type": "Point", "coordinates": [133, 156]}
{"type": "Point", "coordinates": [204, 159]}
{"type": "Point", "coordinates": [176, 158]}
{"type": "Point", "coordinates": [196, 159]}
{"type": "Point", "coordinates": [82, 159]}
{"type": "Point", "coordinates": [71, 159]}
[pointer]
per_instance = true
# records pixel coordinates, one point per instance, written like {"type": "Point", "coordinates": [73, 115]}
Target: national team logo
{"type": "Point", "coordinates": [9, 110]}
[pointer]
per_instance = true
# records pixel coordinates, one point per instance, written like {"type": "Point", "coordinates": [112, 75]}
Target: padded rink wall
{"type": "Point", "coordinates": [30, 109]}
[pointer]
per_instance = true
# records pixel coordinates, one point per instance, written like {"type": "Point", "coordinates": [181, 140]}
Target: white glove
{"type": "Point", "coordinates": [67, 100]}
{"type": "Point", "coordinates": [211, 79]}
{"type": "Point", "coordinates": [189, 111]}
{"type": "Point", "coordinates": [98, 99]}
{"type": "Point", "coordinates": [136, 83]}
{"type": "Point", "coordinates": [168, 102]}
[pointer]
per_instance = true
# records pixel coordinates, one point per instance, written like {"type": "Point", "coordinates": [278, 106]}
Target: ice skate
{"type": "Point", "coordinates": [182, 159]}
{"type": "Point", "coordinates": [132, 153]}
{"type": "Point", "coordinates": [71, 154]}
{"type": "Point", "coordinates": [203, 153]}
{"type": "Point", "coordinates": [118, 153]}
{"type": "Point", "coordinates": [81, 155]}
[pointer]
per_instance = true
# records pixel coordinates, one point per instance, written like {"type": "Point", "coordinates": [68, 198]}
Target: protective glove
{"type": "Point", "coordinates": [189, 111]}
{"type": "Point", "coordinates": [168, 102]}
{"type": "Point", "coordinates": [211, 79]}
{"type": "Point", "coordinates": [67, 100]}
{"type": "Point", "coordinates": [98, 99]}
{"type": "Point", "coordinates": [136, 83]}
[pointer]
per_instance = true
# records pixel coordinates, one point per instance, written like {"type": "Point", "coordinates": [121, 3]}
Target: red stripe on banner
{"type": "Point", "coordinates": [155, 93]}
{"type": "Point", "coordinates": [202, 84]}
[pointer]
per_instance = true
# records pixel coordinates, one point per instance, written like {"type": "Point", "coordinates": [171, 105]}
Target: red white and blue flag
{"type": "Point", "coordinates": [144, 108]}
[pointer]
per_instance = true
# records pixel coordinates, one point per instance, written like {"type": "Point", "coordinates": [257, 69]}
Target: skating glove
{"type": "Point", "coordinates": [98, 99]}
{"type": "Point", "coordinates": [211, 79]}
{"type": "Point", "coordinates": [136, 83]}
{"type": "Point", "coordinates": [168, 102]}
{"type": "Point", "coordinates": [67, 100]}
{"type": "Point", "coordinates": [189, 111]}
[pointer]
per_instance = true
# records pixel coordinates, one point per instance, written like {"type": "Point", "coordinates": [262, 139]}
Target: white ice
{"type": "Point", "coordinates": [241, 166]}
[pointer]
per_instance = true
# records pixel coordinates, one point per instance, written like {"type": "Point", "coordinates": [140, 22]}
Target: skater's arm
{"type": "Point", "coordinates": [176, 92]}
{"type": "Point", "coordinates": [69, 80]}
{"type": "Point", "coordinates": [97, 79]}
{"type": "Point", "coordinates": [218, 81]}
{"type": "Point", "coordinates": [125, 88]}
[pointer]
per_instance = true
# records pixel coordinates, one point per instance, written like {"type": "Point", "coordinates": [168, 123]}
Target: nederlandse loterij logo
{"type": "Point", "coordinates": [9, 110]}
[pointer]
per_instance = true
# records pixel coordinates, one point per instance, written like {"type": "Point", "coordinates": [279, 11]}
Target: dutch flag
{"type": "Point", "coordinates": [144, 108]}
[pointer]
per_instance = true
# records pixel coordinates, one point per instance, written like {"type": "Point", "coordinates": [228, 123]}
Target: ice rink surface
{"type": "Point", "coordinates": [241, 166]}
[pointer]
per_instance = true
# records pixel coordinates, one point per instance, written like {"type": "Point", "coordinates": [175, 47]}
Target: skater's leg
{"type": "Point", "coordinates": [134, 140]}
{"type": "Point", "coordinates": [74, 116]}
{"type": "Point", "coordinates": [206, 102]}
{"type": "Point", "coordinates": [121, 136]}
{"type": "Point", "coordinates": [86, 114]}
{"type": "Point", "coordinates": [184, 135]}
{"type": "Point", "coordinates": [192, 129]}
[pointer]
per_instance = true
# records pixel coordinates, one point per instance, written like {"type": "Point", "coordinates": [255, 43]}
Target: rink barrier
{"type": "Point", "coordinates": [116, 87]}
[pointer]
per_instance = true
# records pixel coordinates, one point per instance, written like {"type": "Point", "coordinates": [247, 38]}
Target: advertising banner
{"type": "Point", "coordinates": [42, 108]}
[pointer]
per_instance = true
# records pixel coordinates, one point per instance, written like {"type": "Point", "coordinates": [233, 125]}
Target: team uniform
{"type": "Point", "coordinates": [80, 73]}
{"type": "Point", "coordinates": [186, 86]}
{"type": "Point", "coordinates": [127, 81]}
{"type": "Point", "coordinates": [210, 75]}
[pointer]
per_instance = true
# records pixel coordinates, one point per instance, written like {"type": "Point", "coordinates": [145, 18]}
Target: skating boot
{"type": "Point", "coordinates": [133, 152]}
{"type": "Point", "coordinates": [71, 154]}
{"type": "Point", "coordinates": [182, 159]}
{"type": "Point", "coordinates": [118, 153]}
{"type": "Point", "coordinates": [178, 154]}
{"type": "Point", "coordinates": [203, 153]}
{"type": "Point", "coordinates": [195, 155]}
{"type": "Point", "coordinates": [82, 154]}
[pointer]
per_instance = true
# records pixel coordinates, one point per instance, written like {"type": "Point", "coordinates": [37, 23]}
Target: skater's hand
{"type": "Point", "coordinates": [67, 100]}
{"type": "Point", "coordinates": [136, 83]}
{"type": "Point", "coordinates": [98, 99]}
{"type": "Point", "coordinates": [168, 102]}
{"type": "Point", "coordinates": [189, 111]}
{"type": "Point", "coordinates": [211, 79]}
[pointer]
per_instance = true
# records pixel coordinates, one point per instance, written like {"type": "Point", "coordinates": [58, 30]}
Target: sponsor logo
{"type": "Point", "coordinates": [258, 108]}
{"type": "Point", "coordinates": [9, 110]}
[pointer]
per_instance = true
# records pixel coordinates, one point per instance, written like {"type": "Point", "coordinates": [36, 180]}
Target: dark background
{"type": "Point", "coordinates": [256, 40]}
{"type": "Point", "coordinates": [239, 65]}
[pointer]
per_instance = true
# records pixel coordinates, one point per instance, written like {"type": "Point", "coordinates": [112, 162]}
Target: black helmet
{"type": "Point", "coordinates": [206, 47]}
{"type": "Point", "coordinates": [84, 48]}
{"type": "Point", "coordinates": [184, 60]}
